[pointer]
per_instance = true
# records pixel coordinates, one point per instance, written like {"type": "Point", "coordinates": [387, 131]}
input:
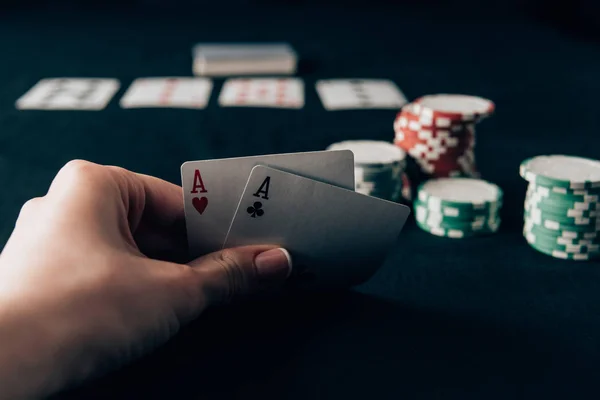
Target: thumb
{"type": "Point", "coordinates": [238, 271]}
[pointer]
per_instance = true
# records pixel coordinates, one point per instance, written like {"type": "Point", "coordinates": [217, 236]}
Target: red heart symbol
{"type": "Point", "coordinates": [200, 204]}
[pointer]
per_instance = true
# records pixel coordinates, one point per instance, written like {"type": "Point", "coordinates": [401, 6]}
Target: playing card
{"type": "Point", "coordinates": [336, 237]}
{"type": "Point", "coordinates": [69, 94]}
{"type": "Point", "coordinates": [242, 51]}
{"type": "Point", "coordinates": [168, 92]}
{"type": "Point", "coordinates": [212, 188]}
{"type": "Point", "coordinates": [219, 59]}
{"type": "Point", "coordinates": [263, 92]}
{"type": "Point", "coordinates": [347, 94]}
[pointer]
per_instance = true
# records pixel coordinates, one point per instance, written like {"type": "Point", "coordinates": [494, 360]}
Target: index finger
{"type": "Point", "coordinates": [162, 200]}
{"type": "Point", "coordinates": [109, 198]}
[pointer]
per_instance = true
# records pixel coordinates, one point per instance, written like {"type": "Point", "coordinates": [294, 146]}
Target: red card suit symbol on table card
{"type": "Point", "coordinates": [199, 203]}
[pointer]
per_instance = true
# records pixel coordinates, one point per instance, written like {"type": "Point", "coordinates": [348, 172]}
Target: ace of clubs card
{"type": "Point", "coordinates": [336, 237]}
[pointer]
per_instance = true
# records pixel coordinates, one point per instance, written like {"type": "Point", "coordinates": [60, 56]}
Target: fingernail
{"type": "Point", "coordinates": [273, 265]}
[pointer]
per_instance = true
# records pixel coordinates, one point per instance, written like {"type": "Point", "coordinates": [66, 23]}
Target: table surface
{"type": "Point", "coordinates": [482, 318]}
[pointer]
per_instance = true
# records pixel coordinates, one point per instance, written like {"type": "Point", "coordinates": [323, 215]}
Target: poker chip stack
{"type": "Point", "coordinates": [378, 168]}
{"type": "Point", "coordinates": [562, 206]}
{"type": "Point", "coordinates": [438, 132]}
{"type": "Point", "coordinates": [458, 207]}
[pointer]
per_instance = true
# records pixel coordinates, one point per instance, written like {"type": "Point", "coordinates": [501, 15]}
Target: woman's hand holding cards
{"type": "Point", "coordinates": [94, 276]}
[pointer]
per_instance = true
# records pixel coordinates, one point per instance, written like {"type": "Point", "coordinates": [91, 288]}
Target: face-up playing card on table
{"type": "Point", "coordinates": [336, 237]}
{"type": "Point", "coordinates": [212, 189]}
{"type": "Point", "coordinates": [348, 94]}
{"type": "Point", "coordinates": [263, 92]}
{"type": "Point", "coordinates": [168, 93]}
{"type": "Point", "coordinates": [69, 94]}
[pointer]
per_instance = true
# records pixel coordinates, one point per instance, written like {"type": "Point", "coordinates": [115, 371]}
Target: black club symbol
{"type": "Point", "coordinates": [255, 210]}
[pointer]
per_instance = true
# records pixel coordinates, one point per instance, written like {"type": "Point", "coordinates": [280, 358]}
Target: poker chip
{"type": "Point", "coordinates": [456, 106]}
{"type": "Point", "coordinates": [580, 201]}
{"type": "Point", "coordinates": [438, 133]}
{"type": "Point", "coordinates": [379, 168]}
{"type": "Point", "coordinates": [555, 252]}
{"type": "Point", "coordinates": [457, 233]}
{"type": "Point", "coordinates": [562, 244]}
{"type": "Point", "coordinates": [567, 172]}
{"type": "Point", "coordinates": [561, 193]}
{"type": "Point", "coordinates": [458, 207]}
{"type": "Point", "coordinates": [561, 208]}
{"type": "Point", "coordinates": [537, 213]}
{"type": "Point", "coordinates": [562, 248]}
{"type": "Point", "coordinates": [463, 193]}
{"type": "Point", "coordinates": [454, 213]}
{"type": "Point", "coordinates": [557, 240]}
{"type": "Point", "coordinates": [563, 233]}
{"type": "Point", "coordinates": [566, 214]}
{"type": "Point", "coordinates": [558, 224]}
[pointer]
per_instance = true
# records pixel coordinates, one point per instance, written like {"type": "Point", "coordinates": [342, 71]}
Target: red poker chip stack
{"type": "Point", "coordinates": [438, 132]}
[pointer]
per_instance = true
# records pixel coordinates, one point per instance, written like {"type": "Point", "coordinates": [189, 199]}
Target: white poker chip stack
{"type": "Point", "coordinates": [378, 168]}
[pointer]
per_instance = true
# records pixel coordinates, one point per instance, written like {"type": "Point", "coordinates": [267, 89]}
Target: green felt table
{"type": "Point", "coordinates": [451, 319]}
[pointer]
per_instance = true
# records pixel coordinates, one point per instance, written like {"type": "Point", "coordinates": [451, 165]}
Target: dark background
{"type": "Point", "coordinates": [450, 319]}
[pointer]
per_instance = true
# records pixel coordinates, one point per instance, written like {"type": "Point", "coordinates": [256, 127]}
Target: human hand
{"type": "Point", "coordinates": [84, 287]}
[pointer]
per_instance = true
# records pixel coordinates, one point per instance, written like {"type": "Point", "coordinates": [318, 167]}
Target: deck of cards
{"type": "Point", "coordinates": [303, 202]}
{"type": "Point", "coordinates": [214, 59]}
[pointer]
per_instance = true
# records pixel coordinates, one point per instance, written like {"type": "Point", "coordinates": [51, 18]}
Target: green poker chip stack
{"type": "Point", "coordinates": [378, 167]}
{"type": "Point", "coordinates": [562, 206]}
{"type": "Point", "coordinates": [458, 207]}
